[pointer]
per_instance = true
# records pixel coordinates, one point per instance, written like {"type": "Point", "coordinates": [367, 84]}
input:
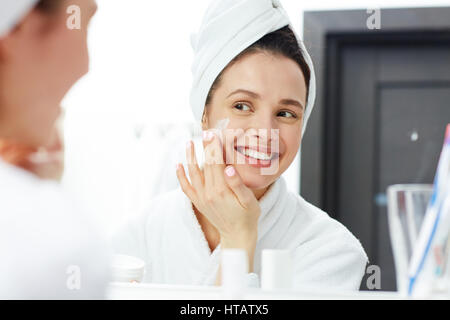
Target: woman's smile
{"type": "Point", "coordinates": [255, 156]}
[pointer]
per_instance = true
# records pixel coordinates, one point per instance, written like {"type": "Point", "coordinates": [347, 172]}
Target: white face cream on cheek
{"type": "Point", "coordinates": [221, 125]}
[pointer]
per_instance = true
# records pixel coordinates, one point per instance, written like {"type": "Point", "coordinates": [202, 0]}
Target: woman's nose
{"type": "Point", "coordinates": [265, 127]}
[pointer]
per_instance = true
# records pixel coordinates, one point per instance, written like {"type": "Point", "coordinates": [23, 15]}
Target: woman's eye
{"type": "Point", "coordinates": [286, 114]}
{"type": "Point", "coordinates": [242, 107]}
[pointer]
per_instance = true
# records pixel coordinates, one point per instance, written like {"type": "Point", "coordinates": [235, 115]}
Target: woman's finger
{"type": "Point", "coordinates": [218, 166]}
{"type": "Point", "coordinates": [242, 192]}
{"type": "Point", "coordinates": [209, 159]}
{"type": "Point", "coordinates": [184, 183]}
{"type": "Point", "coordinates": [194, 171]}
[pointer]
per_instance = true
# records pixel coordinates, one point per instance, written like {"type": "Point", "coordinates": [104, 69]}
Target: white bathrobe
{"type": "Point", "coordinates": [168, 237]}
{"type": "Point", "coordinates": [48, 249]}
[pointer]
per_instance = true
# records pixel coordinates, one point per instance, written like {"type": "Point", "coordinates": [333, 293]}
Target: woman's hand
{"type": "Point", "coordinates": [220, 195]}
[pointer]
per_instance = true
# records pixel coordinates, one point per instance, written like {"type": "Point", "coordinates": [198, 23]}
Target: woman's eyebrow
{"type": "Point", "coordinates": [292, 102]}
{"type": "Point", "coordinates": [250, 93]}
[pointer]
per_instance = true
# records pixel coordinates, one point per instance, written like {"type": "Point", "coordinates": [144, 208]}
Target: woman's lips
{"type": "Point", "coordinates": [258, 157]}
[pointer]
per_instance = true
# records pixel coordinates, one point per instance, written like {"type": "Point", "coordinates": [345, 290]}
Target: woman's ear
{"type": "Point", "coordinates": [18, 39]}
{"type": "Point", "coordinates": [2, 50]}
{"type": "Point", "coordinates": [204, 120]}
{"type": "Point", "coordinates": [7, 44]}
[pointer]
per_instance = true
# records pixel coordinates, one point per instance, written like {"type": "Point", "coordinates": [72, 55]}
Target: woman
{"type": "Point", "coordinates": [47, 248]}
{"type": "Point", "coordinates": [251, 73]}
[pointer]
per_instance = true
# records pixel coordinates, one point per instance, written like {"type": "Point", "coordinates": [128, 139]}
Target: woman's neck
{"type": "Point", "coordinates": [259, 192]}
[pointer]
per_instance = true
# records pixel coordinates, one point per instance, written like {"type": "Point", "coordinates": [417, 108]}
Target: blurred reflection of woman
{"type": "Point", "coordinates": [252, 71]}
{"type": "Point", "coordinates": [47, 248]}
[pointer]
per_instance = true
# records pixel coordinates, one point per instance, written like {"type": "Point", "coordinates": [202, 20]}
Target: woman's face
{"type": "Point", "coordinates": [39, 62]}
{"type": "Point", "coordinates": [264, 97]}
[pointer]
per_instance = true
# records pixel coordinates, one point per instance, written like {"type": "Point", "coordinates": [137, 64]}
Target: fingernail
{"type": "Point", "coordinates": [230, 171]}
{"type": "Point", "coordinates": [208, 135]}
{"type": "Point", "coordinates": [177, 166]}
{"type": "Point", "coordinates": [188, 145]}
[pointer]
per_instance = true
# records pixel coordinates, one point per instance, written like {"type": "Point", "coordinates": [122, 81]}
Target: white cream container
{"type": "Point", "coordinates": [127, 269]}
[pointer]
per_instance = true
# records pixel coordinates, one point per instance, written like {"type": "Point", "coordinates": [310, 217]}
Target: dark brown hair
{"type": "Point", "coordinates": [48, 6]}
{"type": "Point", "coordinates": [282, 42]}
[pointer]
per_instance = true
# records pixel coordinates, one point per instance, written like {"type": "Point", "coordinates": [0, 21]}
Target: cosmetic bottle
{"type": "Point", "coordinates": [234, 271]}
{"type": "Point", "coordinates": [276, 270]}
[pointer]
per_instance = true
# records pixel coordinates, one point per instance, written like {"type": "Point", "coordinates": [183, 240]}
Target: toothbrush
{"type": "Point", "coordinates": [433, 215]}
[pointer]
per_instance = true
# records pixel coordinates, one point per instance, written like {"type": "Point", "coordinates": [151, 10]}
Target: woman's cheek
{"type": "Point", "coordinates": [289, 146]}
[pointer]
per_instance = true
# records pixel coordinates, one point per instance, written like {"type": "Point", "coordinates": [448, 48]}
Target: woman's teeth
{"type": "Point", "coordinates": [255, 154]}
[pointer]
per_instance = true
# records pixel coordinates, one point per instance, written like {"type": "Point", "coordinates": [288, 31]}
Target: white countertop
{"type": "Point", "coordinates": [135, 291]}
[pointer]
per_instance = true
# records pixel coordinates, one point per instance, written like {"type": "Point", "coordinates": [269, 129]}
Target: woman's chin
{"type": "Point", "coordinates": [253, 179]}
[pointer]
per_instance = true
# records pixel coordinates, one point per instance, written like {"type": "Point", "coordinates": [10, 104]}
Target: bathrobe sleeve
{"type": "Point", "coordinates": [49, 247]}
{"type": "Point", "coordinates": [330, 266]}
{"type": "Point", "coordinates": [331, 257]}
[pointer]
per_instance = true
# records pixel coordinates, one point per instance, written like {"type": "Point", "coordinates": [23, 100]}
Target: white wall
{"type": "Point", "coordinates": [140, 76]}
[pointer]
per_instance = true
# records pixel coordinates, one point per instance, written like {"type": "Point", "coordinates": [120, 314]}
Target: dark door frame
{"type": "Point", "coordinates": [325, 32]}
